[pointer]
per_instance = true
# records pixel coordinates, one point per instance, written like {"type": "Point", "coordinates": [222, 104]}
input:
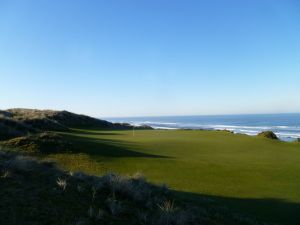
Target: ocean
{"type": "Point", "coordinates": [285, 126]}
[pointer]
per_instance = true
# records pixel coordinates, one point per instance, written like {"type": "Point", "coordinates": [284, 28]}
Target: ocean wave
{"type": "Point", "coordinates": [225, 127]}
{"type": "Point", "coordinates": [153, 123]}
{"type": "Point", "coordinates": [240, 127]}
{"type": "Point", "coordinates": [291, 135]}
{"type": "Point", "coordinates": [164, 128]}
{"type": "Point", "coordinates": [249, 131]}
{"type": "Point", "coordinates": [284, 127]}
{"type": "Point", "coordinates": [252, 127]}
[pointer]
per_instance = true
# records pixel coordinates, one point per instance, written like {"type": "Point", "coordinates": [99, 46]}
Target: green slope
{"type": "Point", "coordinates": [254, 175]}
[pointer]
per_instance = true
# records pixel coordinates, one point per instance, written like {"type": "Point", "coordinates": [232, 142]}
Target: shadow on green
{"type": "Point", "coordinates": [93, 132]}
{"type": "Point", "coordinates": [96, 146]}
{"type": "Point", "coordinates": [274, 210]}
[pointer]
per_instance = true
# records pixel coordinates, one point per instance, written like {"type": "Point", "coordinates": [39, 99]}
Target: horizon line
{"type": "Point", "coordinates": [141, 116]}
{"type": "Point", "coordinates": [182, 115]}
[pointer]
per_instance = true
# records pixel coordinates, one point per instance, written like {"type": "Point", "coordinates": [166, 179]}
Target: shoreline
{"type": "Point", "coordinates": [280, 138]}
{"type": "Point", "coordinates": [285, 126]}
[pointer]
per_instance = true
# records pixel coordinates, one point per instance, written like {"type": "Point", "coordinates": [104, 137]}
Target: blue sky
{"type": "Point", "coordinates": [158, 57]}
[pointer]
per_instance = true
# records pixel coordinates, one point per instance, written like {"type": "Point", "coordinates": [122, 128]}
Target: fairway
{"type": "Point", "coordinates": [249, 174]}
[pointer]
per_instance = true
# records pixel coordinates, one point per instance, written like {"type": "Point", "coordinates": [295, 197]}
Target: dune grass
{"type": "Point", "coordinates": [253, 175]}
{"type": "Point", "coordinates": [35, 192]}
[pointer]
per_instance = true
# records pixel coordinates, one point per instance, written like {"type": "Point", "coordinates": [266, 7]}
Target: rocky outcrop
{"type": "Point", "coordinates": [268, 134]}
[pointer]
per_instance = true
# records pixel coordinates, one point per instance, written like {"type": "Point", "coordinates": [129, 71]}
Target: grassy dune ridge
{"type": "Point", "coordinates": [19, 122]}
{"type": "Point", "coordinates": [255, 175]}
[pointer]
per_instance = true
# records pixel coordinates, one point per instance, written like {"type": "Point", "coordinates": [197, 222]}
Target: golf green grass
{"type": "Point", "coordinates": [252, 175]}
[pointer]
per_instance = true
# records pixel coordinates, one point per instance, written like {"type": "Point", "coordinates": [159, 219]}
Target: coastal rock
{"type": "Point", "coordinates": [268, 134]}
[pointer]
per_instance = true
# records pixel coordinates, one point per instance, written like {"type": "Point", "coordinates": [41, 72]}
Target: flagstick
{"type": "Point", "coordinates": [132, 130]}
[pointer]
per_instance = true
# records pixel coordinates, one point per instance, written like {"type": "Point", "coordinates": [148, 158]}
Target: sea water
{"type": "Point", "coordinates": [285, 126]}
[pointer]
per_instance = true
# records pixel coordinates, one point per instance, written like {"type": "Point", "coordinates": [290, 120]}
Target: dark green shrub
{"type": "Point", "coordinates": [45, 142]}
{"type": "Point", "coordinates": [268, 134]}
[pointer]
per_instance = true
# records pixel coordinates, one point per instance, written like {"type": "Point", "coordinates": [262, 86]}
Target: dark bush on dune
{"type": "Point", "coordinates": [74, 120]}
{"type": "Point", "coordinates": [45, 124]}
{"type": "Point", "coordinates": [5, 114]}
{"type": "Point", "coordinates": [10, 128]}
{"type": "Point", "coordinates": [45, 142]}
{"type": "Point", "coordinates": [268, 134]}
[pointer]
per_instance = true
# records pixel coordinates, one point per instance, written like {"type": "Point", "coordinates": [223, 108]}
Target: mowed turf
{"type": "Point", "coordinates": [253, 175]}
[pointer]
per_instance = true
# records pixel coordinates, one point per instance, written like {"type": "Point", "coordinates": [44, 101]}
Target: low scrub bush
{"type": "Point", "coordinates": [45, 142]}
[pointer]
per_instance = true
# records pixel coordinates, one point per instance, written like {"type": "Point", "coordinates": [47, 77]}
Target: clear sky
{"type": "Point", "coordinates": [141, 57]}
